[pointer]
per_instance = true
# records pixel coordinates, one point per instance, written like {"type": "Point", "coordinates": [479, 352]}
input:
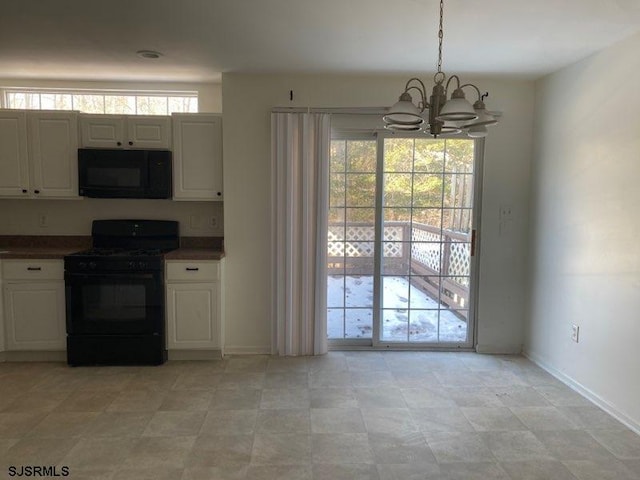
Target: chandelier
{"type": "Point", "coordinates": [452, 116]}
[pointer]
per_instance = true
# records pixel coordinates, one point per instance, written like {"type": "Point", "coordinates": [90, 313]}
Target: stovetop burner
{"type": "Point", "coordinates": [125, 246]}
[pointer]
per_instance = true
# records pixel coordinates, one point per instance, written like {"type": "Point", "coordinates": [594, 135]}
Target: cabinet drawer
{"type": "Point", "coordinates": [197, 271]}
{"type": "Point", "coordinates": [32, 270]}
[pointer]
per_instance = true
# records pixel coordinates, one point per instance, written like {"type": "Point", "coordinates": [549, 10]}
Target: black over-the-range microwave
{"type": "Point", "coordinates": [105, 173]}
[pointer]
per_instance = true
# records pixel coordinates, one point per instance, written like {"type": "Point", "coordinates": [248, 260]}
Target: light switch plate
{"type": "Point", "coordinates": [575, 332]}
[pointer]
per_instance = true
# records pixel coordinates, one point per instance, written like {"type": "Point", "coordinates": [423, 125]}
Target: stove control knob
{"type": "Point", "coordinates": [82, 265]}
{"type": "Point", "coordinates": [142, 265]}
{"type": "Point", "coordinates": [92, 265]}
{"type": "Point", "coordinates": [132, 265]}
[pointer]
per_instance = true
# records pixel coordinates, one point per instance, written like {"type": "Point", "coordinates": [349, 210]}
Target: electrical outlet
{"type": "Point", "coordinates": [506, 212]}
{"type": "Point", "coordinates": [575, 331]}
{"type": "Point", "coordinates": [213, 222]}
{"type": "Point", "coordinates": [43, 221]}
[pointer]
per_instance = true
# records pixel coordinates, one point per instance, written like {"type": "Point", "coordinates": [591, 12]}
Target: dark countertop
{"type": "Point", "coordinates": [198, 248]}
{"type": "Point", "coordinates": [36, 252]}
{"type": "Point", "coordinates": [43, 247]}
{"type": "Point", "coordinates": [194, 254]}
{"type": "Point", "coordinates": [57, 246]}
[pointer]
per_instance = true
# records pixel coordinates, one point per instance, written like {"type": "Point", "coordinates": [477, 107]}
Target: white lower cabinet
{"type": "Point", "coordinates": [34, 305]}
{"type": "Point", "coordinates": [194, 305]}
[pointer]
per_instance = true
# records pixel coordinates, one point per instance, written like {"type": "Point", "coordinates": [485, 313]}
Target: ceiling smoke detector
{"type": "Point", "coordinates": [150, 54]}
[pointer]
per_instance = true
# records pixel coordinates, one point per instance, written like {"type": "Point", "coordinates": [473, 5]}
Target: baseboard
{"type": "Point", "coordinates": [584, 391]}
{"type": "Point", "coordinates": [34, 356]}
{"type": "Point", "coordinates": [499, 349]}
{"type": "Point", "coordinates": [251, 350]}
{"type": "Point", "coordinates": [399, 348]}
{"type": "Point", "coordinates": [194, 355]}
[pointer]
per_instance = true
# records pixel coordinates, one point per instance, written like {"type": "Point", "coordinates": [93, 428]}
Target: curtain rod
{"type": "Point", "coordinates": [336, 110]}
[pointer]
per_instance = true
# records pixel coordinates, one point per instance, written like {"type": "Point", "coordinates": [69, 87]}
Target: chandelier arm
{"type": "Point", "coordinates": [415, 79]}
{"type": "Point", "coordinates": [476, 88]}
{"type": "Point", "coordinates": [449, 81]}
{"type": "Point", "coordinates": [423, 100]}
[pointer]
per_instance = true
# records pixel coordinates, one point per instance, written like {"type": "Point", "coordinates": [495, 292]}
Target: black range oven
{"type": "Point", "coordinates": [115, 294]}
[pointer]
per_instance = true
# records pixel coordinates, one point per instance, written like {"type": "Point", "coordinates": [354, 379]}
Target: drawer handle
{"type": "Point", "coordinates": [34, 269]}
{"type": "Point", "coordinates": [189, 269]}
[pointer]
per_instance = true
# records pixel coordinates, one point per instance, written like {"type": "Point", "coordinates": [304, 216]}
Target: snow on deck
{"type": "Point", "coordinates": [409, 314]}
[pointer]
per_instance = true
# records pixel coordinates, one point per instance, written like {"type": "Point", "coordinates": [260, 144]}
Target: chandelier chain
{"type": "Point", "coordinates": [440, 36]}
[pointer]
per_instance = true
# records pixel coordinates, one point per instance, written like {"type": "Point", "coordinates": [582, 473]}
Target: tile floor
{"type": "Point", "coordinates": [346, 415]}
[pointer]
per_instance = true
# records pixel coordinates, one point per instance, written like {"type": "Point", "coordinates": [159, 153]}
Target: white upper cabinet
{"type": "Point", "coordinates": [14, 171]}
{"type": "Point", "coordinates": [53, 148]}
{"type": "Point", "coordinates": [197, 156]}
{"type": "Point", "coordinates": [102, 131]}
{"type": "Point", "coordinates": [122, 131]}
{"type": "Point", "coordinates": [148, 132]}
{"type": "Point", "coordinates": [38, 154]}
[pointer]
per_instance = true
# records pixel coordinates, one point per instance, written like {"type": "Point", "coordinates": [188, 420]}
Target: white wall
{"type": "Point", "coordinates": [21, 217]}
{"type": "Point", "coordinates": [585, 227]}
{"type": "Point", "coordinates": [246, 118]}
{"type": "Point", "coordinates": [73, 217]}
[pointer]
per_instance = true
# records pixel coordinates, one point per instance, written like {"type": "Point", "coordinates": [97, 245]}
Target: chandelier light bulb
{"type": "Point", "coordinates": [477, 131]}
{"type": "Point", "coordinates": [403, 112]}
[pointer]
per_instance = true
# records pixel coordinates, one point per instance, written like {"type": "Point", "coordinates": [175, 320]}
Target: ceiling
{"type": "Point", "coordinates": [199, 39]}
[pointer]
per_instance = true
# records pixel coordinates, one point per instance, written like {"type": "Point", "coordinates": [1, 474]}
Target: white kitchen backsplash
{"type": "Point", "coordinates": [64, 217]}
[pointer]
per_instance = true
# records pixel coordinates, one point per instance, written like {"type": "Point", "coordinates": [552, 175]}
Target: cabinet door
{"type": "Point", "coordinates": [151, 131]}
{"type": "Point", "coordinates": [102, 131]}
{"type": "Point", "coordinates": [14, 173]}
{"type": "Point", "coordinates": [35, 316]}
{"type": "Point", "coordinates": [53, 142]}
{"type": "Point", "coordinates": [193, 317]}
{"type": "Point", "coordinates": [197, 153]}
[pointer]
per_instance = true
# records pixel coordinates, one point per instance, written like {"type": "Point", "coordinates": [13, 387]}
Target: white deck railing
{"type": "Point", "coordinates": [437, 261]}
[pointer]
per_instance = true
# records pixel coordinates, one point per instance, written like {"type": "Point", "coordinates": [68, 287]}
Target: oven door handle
{"type": "Point", "coordinates": [109, 276]}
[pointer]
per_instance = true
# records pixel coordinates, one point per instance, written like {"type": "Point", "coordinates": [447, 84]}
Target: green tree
{"type": "Point", "coordinates": [423, 173]}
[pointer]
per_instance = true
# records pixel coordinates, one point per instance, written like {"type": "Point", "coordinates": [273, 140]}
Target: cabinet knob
{"type": "Point", "coordinates": [24, 190]}
{"type": "Point", "coordinates": [190, 269]}
{"type": "Point", "coordinates": [119, 143]}
{"type": "Point", "coordinates": [130, 143]}
{"type": "Point", "coordinates": [36, 191]}
{"type": "Point", "coordinates": [219, 194]}
{"type": "Point", "coordinates": [34, 269]}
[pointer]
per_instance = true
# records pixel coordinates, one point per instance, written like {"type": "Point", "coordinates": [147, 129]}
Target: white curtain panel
{"type": "Point", "coordinates": [300, 165]}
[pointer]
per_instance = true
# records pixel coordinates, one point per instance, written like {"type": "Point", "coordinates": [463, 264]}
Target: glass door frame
{"type": "Point", "coordinates": [375, 342]}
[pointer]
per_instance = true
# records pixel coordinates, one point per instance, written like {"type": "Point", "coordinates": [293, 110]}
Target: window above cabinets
{"type": "Point", "coordinates": [118, 102]}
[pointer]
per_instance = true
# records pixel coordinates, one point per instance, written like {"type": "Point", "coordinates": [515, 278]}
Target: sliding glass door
{"type": "Point", "coordinates": [401, 241]}
{"type": "Point", "coordinates": [352, 214]}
